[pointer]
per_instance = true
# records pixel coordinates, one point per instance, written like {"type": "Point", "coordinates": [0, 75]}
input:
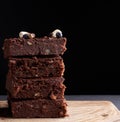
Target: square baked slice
{"type": "Point", "coordinates": [34, 67]}
{"type": "Point", "coordinates": [38, 108]}
{"type": "Point", "coordinates": [34, 88]}
{"type": "Point", "coordinates": [34, 46]}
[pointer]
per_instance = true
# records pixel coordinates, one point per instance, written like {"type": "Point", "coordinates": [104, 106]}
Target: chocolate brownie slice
{"type": "Point", "coordinates": [34, 46]}
{"type": "Point", "coordinates": [48, 88]}
{"type": "Point", "coordinates": [43, 108]}
{"type": "Point", "coordinates": [36, 67]}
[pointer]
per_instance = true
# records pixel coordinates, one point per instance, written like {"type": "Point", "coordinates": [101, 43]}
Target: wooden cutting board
{"type": "Point", "coordinates": [79, 111]}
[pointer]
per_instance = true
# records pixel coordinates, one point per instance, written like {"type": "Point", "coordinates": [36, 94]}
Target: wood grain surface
{"type": "Point", "coordinates": [79, 111]}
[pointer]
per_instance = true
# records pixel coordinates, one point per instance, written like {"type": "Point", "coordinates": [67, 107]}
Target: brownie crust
{"type": "Point", "coordinates": [35, 46]}
{"type": "Point", "coordinates": [36, 67]}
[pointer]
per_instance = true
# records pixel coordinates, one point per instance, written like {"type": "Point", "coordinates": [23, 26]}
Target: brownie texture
{"type": "Point", "coordinates": [35, 46]}
{"type": "Point", "coordinates": [36, 67]}
{"type": "Point", "coordinates": [39, 108]}
{"type": "Point", "coordinates": [44, 88]}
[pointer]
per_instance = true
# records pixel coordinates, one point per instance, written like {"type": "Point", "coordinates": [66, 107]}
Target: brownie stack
{"type": "Point", "coordinates": [35, 77]}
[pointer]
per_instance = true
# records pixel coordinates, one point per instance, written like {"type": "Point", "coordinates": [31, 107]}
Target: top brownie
{"type": "Point", "coordinates": [27, 45]}
{"type": "Point", "coordinates": [34, 46]}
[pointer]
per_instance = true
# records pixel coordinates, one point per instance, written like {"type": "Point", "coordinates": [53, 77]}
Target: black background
{"type": "Point", "coordinates": [91, 58]}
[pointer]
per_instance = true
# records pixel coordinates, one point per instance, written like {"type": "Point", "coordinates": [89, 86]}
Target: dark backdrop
{"type": "Point", "coordinates": [91, 58]}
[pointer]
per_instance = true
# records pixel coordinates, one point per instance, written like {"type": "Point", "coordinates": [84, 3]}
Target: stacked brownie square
{"type": "Point", "coordinates": [35, 82]}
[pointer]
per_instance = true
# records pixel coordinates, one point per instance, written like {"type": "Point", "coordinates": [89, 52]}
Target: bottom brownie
{"type": "Point", "coordinates": [39, 108]}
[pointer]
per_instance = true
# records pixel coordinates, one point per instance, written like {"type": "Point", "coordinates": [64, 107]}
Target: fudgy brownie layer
{"type": "Point", "coordinates": [36, 46]}
{"type": "Point", "coordinates": [36, 67]}
{"type": "Point", "coordinates": [43, 108]}
{"type": "Point", "coordinates": [50, 88]}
